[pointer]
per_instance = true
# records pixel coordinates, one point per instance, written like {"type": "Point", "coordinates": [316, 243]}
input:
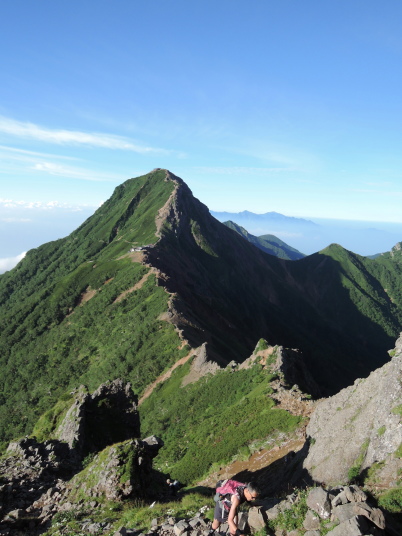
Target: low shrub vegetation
{"type": "Point", "coordinates": [187, 504]}
{"type": "Point", "coordinates": [212, 420]}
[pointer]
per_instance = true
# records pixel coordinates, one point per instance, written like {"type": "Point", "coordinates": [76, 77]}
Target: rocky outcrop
{"type": "Point", "coordinates": [340, 511]}
{"type": "Point", "coordinates": [201, 365]}
{"type": "Point", "coordinates": [42, 480]}
{"type": "Point", "coordinates": [122, 470]}
{"type": "Point", "coordinates": [94, 421]}
{"type": "Point", "coordinates": [291, 364]}
{"type": "Point", "coordinates": [360, 428]}
{"type": "Point", "coordinates": [288, 363]}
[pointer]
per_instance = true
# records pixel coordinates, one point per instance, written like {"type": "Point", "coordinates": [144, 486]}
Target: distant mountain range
{"type": "Point", "coordinates": [88, 307]}
{"type": "Point", "coordinates": [312, 235]}
{"type": "Point", "coordinates": [268, 243]}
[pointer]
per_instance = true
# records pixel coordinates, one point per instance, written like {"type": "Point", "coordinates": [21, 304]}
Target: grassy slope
{"type": "Point", "coordinates": [45, 349]}
{"type": "Point", "coordinates": [332, 305]}
{"type": "Point", "coordinates": [210, 421]}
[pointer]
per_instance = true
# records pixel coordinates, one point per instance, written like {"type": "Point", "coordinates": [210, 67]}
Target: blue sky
{"type": "Point", "coordinates": [285, 106]}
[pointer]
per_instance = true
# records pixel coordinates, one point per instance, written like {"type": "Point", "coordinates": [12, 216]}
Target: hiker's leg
{"type": "Point", "coordinates": [219, 516]}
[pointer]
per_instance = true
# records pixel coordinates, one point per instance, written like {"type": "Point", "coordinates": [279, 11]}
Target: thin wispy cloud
{"type": "Point", "coordinates": [274, 155]}
{"type": "Point", "coordinates": [38, 205]}
{"type": "Point", "coordinates": [242, 170]}
{"type": "Point", "coordinates": [10, 151]}
{"type": "Point", "coordinates": [72, 172]}
{"type": "Point", "coordinates": [15, 220]}
{"type": "Point", "coordinates": [9, 262]}
{"type": "Point", "coordinates": [31, 131]}
{"type": "Point", "coordinates": [378, 191]}
{"type": "Point", "coordinates": [42, 162]}
{"type": "Point", "coordinates": [380, 184]}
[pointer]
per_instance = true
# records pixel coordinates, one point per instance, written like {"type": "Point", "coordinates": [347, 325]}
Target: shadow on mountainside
{"type": "Point", "coordinates": [281, 476]}
{"type": "Point", "coordinates": [230, 294]}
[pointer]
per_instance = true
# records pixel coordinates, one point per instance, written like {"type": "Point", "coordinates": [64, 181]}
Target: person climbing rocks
{"type": "Point", "coordinates": [174, 486]}
{"type": "Point", "coordinates": [230, 494]}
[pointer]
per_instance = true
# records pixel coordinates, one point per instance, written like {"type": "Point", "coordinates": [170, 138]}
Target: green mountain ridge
{"type": "Point", "coordinates": [85, 309]}
{"type": "Point", "coordinates": [268, 243]}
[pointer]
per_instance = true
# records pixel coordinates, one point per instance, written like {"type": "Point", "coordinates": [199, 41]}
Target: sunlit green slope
{"type": "Point", "coordinates": [60, 322]}
{"type": "Point", "coordinates": [84, 309]}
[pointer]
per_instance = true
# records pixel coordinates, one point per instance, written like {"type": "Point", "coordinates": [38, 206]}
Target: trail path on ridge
{"type": "Point", "coordinates": [137, 286]}
{"type": "Point", "coordinates": [164, 376]}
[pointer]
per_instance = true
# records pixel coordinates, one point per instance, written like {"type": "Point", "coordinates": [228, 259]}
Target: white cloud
{"type": "Point", "coordinates": [380, 184]}
{"type": "Point", "coordinates": [72, 137]}
{"type": "Point", "coordinates": [10, 262]}
{"type": "Point", "coordinates": [16, 220]}
{"type": "Point", "coordinates": [22, 154]}
{"type": "Point", "coordinates": [39, 205]}
{"type": "Point", "coordinates": [72, 172]}
{"type": "Point", "coordinates": [35, 161]}
{"type": "Point", "coordinates": [242, 170]}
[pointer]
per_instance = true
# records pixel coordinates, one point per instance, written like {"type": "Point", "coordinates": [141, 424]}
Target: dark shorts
{"type": "Point", "coordinates": [220, 513]}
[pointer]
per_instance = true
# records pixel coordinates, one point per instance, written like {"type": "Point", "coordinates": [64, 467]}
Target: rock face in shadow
{"type": "Point", "coordinates": [94, 421]}
{"type": "Point", "coordinates": [359, 428]}
{"type": "Point", "coordinates": [41, 479]}
{"type": "Point", "coordinates": [121, 470]}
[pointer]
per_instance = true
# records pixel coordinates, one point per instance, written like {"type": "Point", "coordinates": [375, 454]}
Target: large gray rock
{"type": "Point", "coordinates": [358, 427]}
{"type": "Point", "coordinates": [318, 501]}
{"type": "Point", "coordinates": [95, 421]}
{"type": "Point", "coordinates": [375, 515]}
{"type": "Point", "coordinates": [356, 526]}
{"type": "Point", "coordinates": [343, 512]}
{"type": "Point", "coordinates": [256, 519]}
{"type": "Point", "coordinates": [121, 470]}
{"type": "Point", "coordinates": [311, 521]}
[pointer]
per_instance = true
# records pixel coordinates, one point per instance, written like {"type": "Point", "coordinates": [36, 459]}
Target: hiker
{"type": "Point", "coordinates": [173, 486]}
{"type": "Point", "coordinates": [231, 494]}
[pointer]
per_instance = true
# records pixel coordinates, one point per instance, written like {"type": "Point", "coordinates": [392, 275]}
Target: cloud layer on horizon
{"type": "Point", "coordinates": [10, 262]}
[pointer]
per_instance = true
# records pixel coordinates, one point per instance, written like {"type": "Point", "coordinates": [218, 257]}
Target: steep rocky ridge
{"type": "Point", "coordinates": [360, 428]}
{"type": "Point", "coordinates": [227, 294]}
{"type": "Point", "coordinates": [194, 282]}
{"type": "Point", "coordinates": [107, 416]}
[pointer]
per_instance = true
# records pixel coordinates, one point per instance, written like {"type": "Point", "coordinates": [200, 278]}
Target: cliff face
{"type": "Point", "coordinates": [227, 294]}
{"type": "Point", "coordinates": [94, 453]}
{"type": "Point", "coordinates": [360, 428]}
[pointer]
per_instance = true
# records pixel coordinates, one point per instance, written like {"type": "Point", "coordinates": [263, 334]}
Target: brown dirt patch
{"type": "Point", "coordinates": [164, 376]}
{"type": "Point", "coordinates": [135, 287]}
{"type": "Point", "coordinates": [135, 256]}
{"type": "Point", "coordinates": [87, 295]}
{"type": "Point", "coordinates": [259, 460]}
